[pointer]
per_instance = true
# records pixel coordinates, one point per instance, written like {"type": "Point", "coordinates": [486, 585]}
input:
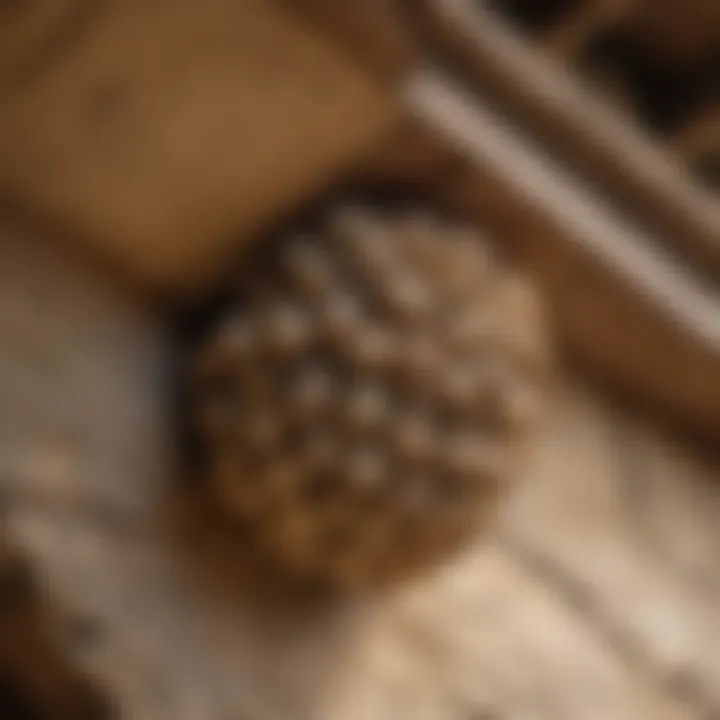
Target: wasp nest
{"type": "Point", "coordinates": [361, 403]}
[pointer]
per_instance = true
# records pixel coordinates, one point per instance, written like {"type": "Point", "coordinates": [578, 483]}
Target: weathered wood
{"type": "Point", "coordinates": [627, 166]}
{"type": "Point", "coordinates": [153, 605]}
{"type": "Point", "coordinates": [490, 638]}
{"type": "Point", "coordinates": [625, 519]}
{"type": "Point", "coordinates": [162, 135]}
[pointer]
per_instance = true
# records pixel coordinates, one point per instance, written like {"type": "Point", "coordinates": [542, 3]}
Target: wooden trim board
{"type": "Point", "coordinates": [600, 145]}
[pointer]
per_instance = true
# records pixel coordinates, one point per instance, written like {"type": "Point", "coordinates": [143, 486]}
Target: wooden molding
{"type": "Point", "coordinates": [600, 145]}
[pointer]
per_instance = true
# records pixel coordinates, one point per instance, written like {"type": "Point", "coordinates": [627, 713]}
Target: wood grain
{"type": "Point", "coordinates": [162, 135]}
{"type": "Point", "coordinates": [551, 103]}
